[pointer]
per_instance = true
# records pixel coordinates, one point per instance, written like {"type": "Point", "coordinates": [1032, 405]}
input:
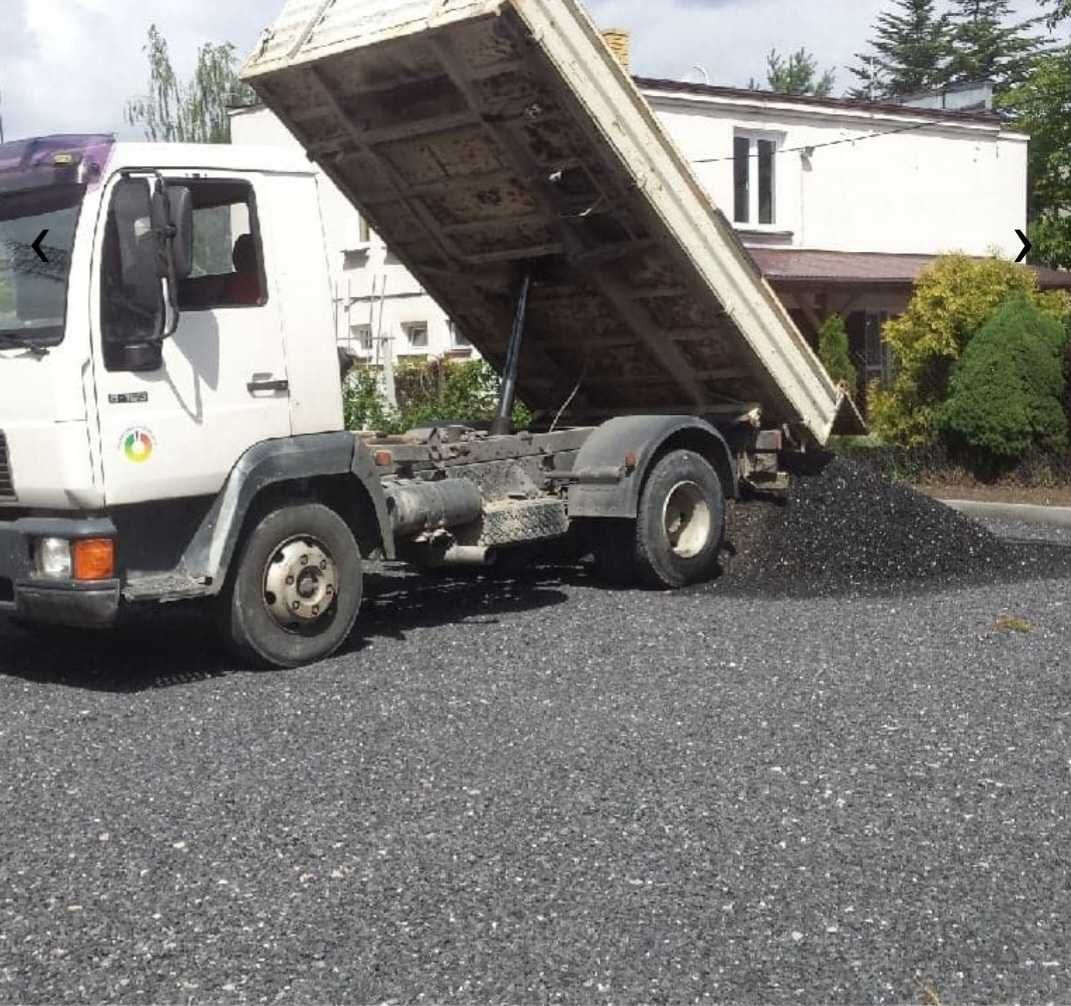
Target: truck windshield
{"type": "Point", "coordinates": [33, 287]}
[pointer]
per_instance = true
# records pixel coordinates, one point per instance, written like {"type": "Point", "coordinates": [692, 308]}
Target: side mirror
{"type": "Point", "coordinates": [181, 205]}
{"type": "Point", "coordinates": [137, 245]}
{"type": "Point", "coordinates": [172, 220]}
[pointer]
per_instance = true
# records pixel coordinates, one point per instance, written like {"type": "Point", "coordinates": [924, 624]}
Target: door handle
{"type": "Point", "coordinates": [255, 386]}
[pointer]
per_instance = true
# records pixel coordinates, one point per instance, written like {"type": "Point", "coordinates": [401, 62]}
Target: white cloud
{"type": "Point", "coordinates": [70, 65]}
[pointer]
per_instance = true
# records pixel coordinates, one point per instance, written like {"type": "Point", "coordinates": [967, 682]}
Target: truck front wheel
{"type": "Point", "coordinates": [295, 589]}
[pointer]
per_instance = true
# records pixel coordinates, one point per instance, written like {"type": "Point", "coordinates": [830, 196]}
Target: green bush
{"type": "Point", "coordinates": [363, 404]}
{"type": "Point", "coordinates": [834, 352]}
{"type": "Point", "coordinates": [1006, 395]}
{"type": "Point", "coordinates": [953, 299]}
{"type": "Point", "coordinates": [427, 392]}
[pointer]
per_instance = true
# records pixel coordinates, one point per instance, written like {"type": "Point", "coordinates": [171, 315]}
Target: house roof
{"type": "Point", "coordinates": [785, 266]}
{"type": "Point", "coordinates": [809, 101]}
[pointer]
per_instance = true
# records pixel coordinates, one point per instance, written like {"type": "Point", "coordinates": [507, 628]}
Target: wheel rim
{"type": "Point", "coordinates": [687, 519]}
{"type": "Point", "coordinates": [300, 584]}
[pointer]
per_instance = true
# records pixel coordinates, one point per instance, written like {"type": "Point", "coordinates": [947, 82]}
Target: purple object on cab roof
{"type": "Point", "coordinates": [26, 163]}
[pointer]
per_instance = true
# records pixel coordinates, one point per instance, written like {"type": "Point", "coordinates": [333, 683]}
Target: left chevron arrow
{"type": "Point", "coordinates": [36, 246]}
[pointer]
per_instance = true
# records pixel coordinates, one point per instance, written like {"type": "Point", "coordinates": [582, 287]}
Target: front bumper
{"type": "Point", "coordinates": [57, 602]}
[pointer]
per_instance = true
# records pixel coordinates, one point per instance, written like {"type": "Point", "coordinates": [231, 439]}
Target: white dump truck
{"type": "Point", "coordinates": [171, 419]}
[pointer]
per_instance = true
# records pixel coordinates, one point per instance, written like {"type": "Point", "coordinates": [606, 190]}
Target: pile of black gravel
{"type": "Point", "coordinates": [849, 528]}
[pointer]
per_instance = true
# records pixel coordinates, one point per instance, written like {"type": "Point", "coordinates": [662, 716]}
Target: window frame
{"type": "Point", "coordinates": [254, 230]}
{"type": "Point", "coordinates": [456, 334]}
{"type": "Point", "coordinates": [358, 333]}
{"type": "Point", "coordinates": [752, 179]}
{"type": "Point", "coordinates": [407, 331]}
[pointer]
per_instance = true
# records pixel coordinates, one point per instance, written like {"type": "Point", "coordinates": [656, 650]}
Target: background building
{"type": "Point", "coordinates": [841, 203]}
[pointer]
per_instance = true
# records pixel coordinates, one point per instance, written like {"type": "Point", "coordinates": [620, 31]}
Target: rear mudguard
{"type": "Point", "coordinates": [633, 444]}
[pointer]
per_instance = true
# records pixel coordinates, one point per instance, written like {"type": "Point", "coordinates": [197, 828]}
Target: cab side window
{"type": "Point", "coordinates": [228, 264]}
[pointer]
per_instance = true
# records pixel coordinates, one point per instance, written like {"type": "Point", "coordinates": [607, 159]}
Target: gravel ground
{"type": "Point", "coordinates": [550, 791]}
{"type": "Point", "coordinates": [1021, 530]}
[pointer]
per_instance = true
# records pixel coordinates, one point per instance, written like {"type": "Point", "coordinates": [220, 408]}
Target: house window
{"type": "Point", "coordinates": [880, 360]}
{"type": "Point", "coordinates": [364, 233]}
{"type": "Point", "coordinates": [416, 335]}
{"type": "Point", "coordinates": [362, 335]}
{"type": "Point", "coordinates": [754, 179]}
{"type": "Point", "coordinates": [457, 338]}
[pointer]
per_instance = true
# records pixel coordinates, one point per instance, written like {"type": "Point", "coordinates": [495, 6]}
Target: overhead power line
{"type": "Point", "coordinates": [829, 143]}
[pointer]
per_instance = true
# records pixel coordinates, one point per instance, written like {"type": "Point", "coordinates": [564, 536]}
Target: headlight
{"type": "Point", "coordinates": [53, 558]}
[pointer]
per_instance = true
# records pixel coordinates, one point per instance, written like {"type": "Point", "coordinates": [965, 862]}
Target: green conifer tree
{"type": "Point", "coordinates": [989, 44]}
{"type": "Point", "coordinates": [835, 353]}
{"type": "Point", "coordinates": [911, 46]}
{"type": "Point", "coordinates": [798, 74]}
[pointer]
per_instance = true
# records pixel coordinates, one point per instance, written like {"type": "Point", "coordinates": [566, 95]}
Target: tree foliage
{"type": "Point", "coordinates": [1005, 396]}
{"type": "Point", "coordinates": [427, 392]}
{"type": "Point", "coordinates": [194, 111]}
{"type": "Point", "coordinates": [910, 45]}
{"type": "Point", "coordinates": [953, 299]}
{"type": "Point", "coordinates": [987, 43]}
{"type": "Point", "coordinates": [1041, 107]}
{"type": "Point", "coordinates": [835, 353]}
{"type": "Point", "coordinates": [916, 48]}
{"type": "Point", "coordinates": [796, 74]}
{"type": "Point", "coordinates": [1059, 10]}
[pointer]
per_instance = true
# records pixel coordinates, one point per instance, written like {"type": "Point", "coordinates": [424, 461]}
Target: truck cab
{"type": "Point", "coordinates": [128, 395]}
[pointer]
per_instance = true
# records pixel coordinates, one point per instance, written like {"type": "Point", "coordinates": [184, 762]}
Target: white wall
{"type": "Point", "coordinates": [959, 186]}
{"type": "Point", "coordinates": [953, 187]}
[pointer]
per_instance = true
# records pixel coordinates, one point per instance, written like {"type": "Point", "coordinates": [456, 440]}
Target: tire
{"type": "Point", "coordinates": [681, 523]}
{"type": "Point", "coordinates": [294, 591]}
{"type": "Point", "coordinates": [676, 539]}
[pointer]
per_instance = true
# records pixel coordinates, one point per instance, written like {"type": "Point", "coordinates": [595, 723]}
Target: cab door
{"type": "Point", "coordinates": [177, 428]}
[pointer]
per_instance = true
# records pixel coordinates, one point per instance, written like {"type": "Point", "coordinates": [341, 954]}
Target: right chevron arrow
{"type": "Point", "coordinates": [1026, 245]}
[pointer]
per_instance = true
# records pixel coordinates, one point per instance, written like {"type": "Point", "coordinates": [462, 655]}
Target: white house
{"type": "Point", "coordinates": [841, 203]}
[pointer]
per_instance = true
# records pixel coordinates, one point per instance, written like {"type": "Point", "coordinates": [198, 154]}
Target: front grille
{"type": "Point", "coordinates": [7, 483]}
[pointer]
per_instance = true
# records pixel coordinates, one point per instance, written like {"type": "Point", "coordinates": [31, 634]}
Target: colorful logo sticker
{"type": "Point", "coordinates": [138, 445]}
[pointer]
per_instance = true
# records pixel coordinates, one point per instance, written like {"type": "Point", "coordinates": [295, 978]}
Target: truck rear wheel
{"type": "Point", "coordinates": [295, 590]}
{"type": "Point", "coordinates": [678, 533]}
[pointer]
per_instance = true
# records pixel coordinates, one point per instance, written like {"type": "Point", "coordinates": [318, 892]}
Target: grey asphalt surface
{"type": "Point", "coordinates": [549, 791]}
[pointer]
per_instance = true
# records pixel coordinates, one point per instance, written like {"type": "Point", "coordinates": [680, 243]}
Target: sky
{"type": "Point", "coordinates": [70, 65]}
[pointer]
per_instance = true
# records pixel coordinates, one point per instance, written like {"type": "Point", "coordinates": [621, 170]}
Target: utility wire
{"type": "Point", "coordinates": [828, 143]}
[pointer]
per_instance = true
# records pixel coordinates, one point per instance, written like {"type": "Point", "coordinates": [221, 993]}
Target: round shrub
{"type": "Point", "coordinates": [953, 298]}
{"type": "Point", "coordinates": [1006, 394]}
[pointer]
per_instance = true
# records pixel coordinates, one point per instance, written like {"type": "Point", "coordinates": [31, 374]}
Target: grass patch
{"type": "Point", "coordinates": [1013, 623]}
{"type": "Point", "coordinates": [928, 993]}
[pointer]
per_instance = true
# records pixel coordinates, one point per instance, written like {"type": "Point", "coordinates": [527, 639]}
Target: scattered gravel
{"type": "Point", "coordinates": [539, 790]}
{"type": "Point", "coordinates": [849, 529]}
{"type": "Point", "coordinates": [1021, 531]}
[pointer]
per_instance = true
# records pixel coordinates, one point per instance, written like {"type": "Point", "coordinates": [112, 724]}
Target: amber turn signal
{"type": "Point", "coordinates": [94, 559]}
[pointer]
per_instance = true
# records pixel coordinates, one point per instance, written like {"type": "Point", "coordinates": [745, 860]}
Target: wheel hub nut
{"type": "Point", "coordinates": [300, 583]}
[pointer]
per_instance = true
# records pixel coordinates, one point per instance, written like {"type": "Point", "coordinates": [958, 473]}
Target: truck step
{"type": "Point", "coordinates": [508, 522]}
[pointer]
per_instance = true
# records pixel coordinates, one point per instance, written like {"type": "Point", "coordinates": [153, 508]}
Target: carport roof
{"type": "Point", "coordinates": [803, 267]}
